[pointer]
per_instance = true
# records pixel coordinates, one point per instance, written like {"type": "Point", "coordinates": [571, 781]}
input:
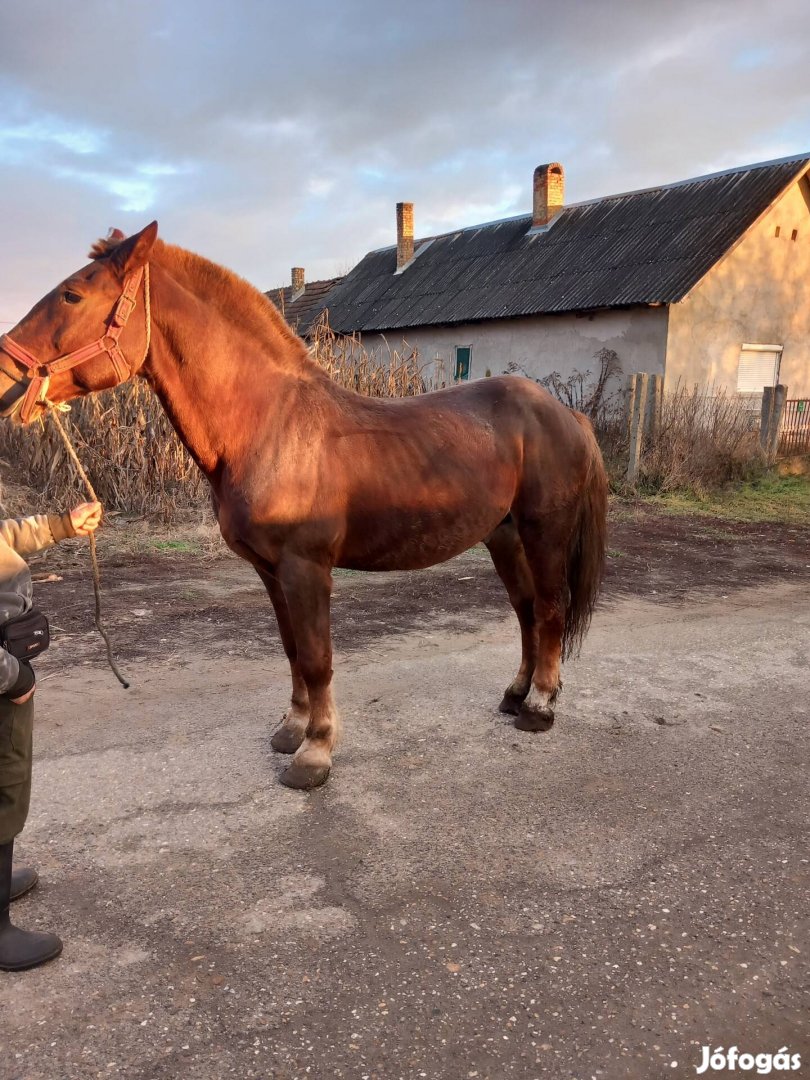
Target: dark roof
{"type": "Point", "coordinates": [645, 247]}
{"type": "Point", "coordinates": [302, 312]}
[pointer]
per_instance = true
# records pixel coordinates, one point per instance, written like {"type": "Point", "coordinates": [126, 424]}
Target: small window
{"type": "Point", "coordinates": [794, 234]}
{"type": "Point", "coordinates": [463, 359]}
{"type": "Point", "coordinates": [778, 230]}
{"type": "Point", "coordinates": [758, 368]}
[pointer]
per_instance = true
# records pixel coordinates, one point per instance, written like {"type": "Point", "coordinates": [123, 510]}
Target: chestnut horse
{"type": "Point", "coordinates": [307, 476]}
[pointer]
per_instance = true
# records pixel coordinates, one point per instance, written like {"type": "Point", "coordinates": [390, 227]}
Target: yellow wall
{"type": "Point", "coordinates": [758, 294]}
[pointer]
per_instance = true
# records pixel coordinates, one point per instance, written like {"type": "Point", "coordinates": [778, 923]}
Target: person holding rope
{"type": "Point", "coordinates": [23, 635]}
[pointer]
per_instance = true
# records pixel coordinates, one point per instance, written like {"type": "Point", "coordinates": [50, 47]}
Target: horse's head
{"type": "Point", "coordinates": [80, 338]}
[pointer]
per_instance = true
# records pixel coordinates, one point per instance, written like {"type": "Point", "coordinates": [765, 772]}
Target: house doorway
{"type": "Point", "coordinates": [463, 362]}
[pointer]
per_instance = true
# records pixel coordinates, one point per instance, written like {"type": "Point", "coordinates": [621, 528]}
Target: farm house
{"type": "Point", "coordinates": [701, 281]}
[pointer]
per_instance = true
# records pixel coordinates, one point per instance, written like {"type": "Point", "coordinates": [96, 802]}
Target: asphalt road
{"type": "Point", "coordinates": [461, 900]}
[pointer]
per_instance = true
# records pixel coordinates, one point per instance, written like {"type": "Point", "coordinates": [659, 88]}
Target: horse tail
{"type": "Point", "coordinates": [586, 554]}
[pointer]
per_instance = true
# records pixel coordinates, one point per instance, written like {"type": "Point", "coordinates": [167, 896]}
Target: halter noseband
{"type": "Point", "coordinates": [39, 374]}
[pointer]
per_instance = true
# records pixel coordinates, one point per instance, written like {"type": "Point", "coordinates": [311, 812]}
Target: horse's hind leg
{"type": "Point", "coordinates": [509, 557]}
{"type": "Point", "coordinates": [546, 545]}
{"type": "Point", "coordinates": [293, 728]}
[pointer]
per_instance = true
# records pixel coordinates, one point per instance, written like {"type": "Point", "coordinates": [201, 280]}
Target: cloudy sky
{"type": "Point", "coordinates": [266, 134]}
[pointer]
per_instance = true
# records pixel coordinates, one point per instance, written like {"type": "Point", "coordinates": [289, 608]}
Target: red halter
{"type": "Point", "coordinates": [39, 374]}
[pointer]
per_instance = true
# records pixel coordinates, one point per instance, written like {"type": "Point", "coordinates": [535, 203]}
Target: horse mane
{"type": "Point", "coordinates": [234, 297]}
{"type": "Point", "coordinates": [105, 245]}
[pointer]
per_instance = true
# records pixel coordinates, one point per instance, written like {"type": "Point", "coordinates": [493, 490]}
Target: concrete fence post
{"type": "Point", "coordinates": [637, 426]}
{"type": "Point", "coordinates": [770, 426]}
{"type": "Point", "coordinates": [765, 418]}
{"type": "Point", "coordinates": [632, 388]}
{"type": "Point", "coordinates": [780, 394]}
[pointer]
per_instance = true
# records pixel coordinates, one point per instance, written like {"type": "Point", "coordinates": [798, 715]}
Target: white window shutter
{"type": "Point", "coordinates": [758, 368]}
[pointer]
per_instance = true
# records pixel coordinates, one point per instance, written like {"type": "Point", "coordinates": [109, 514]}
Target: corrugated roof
{"type": "Point", "coordinates": [302, 312]}
{"type": "Point", "coordinates": [645, 247]}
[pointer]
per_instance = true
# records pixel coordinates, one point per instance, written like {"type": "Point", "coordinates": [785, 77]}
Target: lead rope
{"type": "Point", "coordinates": [91, 492]}
{"type": "Point", "coordinates": [93, 553]}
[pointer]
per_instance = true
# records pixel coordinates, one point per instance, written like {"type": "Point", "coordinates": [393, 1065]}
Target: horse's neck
{"type": "Point", "coordinates": [218, 379]}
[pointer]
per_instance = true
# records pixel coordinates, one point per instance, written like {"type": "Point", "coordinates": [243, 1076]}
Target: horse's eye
{"type": "Point", "coordinates": [71, 297]}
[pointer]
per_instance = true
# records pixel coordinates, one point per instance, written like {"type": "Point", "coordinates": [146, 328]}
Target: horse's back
{"type": "Point", "coordinates": [505, 399]}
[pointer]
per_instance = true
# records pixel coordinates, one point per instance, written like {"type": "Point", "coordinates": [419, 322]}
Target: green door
{"type": "Point", "coordinates": [463, 358]}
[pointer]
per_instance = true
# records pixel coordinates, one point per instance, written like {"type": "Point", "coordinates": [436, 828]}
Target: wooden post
{"type": "Point", "coordinates": [655, 405]}
{"type": "Point", "coordinates": [637, 426]}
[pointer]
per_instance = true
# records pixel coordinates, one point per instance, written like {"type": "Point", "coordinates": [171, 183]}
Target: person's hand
{"type": "Point", "coordinates": [22, 700]}
{"type": "Point", "coordinates": [86, 518]}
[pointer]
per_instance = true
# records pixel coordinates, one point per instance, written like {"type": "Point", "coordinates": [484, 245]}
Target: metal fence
{"type": "Point", "coordinates": [794, 436]}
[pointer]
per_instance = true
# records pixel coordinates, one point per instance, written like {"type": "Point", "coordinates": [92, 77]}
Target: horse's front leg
{"type": "Point", "coordinates": [307, 588]}
{"type": "Point", "coordinates": [290, 735]}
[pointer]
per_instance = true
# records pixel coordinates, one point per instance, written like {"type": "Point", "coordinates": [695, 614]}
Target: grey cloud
{"type": "Point", "coordinates": [275, 113]}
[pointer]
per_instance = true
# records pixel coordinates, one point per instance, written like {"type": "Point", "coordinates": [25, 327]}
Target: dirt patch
{"type": "Point", "coordinates": [215, 603]}
{"type": "Point", "coordinates": [672, 557]}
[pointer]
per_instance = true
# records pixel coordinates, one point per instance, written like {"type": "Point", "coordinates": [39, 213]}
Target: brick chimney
{"type": "Point", "coordinates": [404, 233]}
{"type": "Point", "coordinates": [549, 193]}
{"type": "Point", "coordinates": [298, 281]}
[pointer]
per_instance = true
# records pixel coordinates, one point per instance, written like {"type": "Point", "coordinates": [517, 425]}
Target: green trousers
{"type": "Point", "coordinates": [16, 744]}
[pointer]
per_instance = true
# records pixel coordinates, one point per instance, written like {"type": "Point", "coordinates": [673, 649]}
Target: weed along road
{"type": "Point", "coordinates": [603, 899]}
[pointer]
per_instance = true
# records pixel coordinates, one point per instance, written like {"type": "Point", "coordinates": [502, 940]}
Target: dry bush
{"type": "Point", "coordinates": [613, 435]}
{"type": "Point", "coordinates": [131, 453]}
{"type": "Point", "coordinates": [395, 373]}
{"type": "Point", "coordinates": [591, 393]}
{"type": "Point", "coordinates": [707, 438]}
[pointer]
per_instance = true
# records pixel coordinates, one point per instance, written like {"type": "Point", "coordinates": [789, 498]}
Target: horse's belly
{"type": "Point", "coordinates": [412, 503]}
{"type": "Point", "coordinates": [412, 540]}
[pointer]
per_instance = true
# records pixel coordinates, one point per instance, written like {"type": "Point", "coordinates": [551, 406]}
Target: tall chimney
{"type": "Point", "coordinates": [549, 193]}
{"type": "Point", "coordinates": [298, 281]}
{"type": "Point", "coordinates": [404, 233]}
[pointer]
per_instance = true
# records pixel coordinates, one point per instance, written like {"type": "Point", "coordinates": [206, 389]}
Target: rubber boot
{"type": "Point", "coordinates": [20, 949]}
{"type": "Point", "coordinates": [23, 879]}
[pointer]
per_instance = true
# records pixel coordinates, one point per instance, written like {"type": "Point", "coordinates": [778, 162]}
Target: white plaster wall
{"type": "Point", "coordinates": [539, 345]}
{"type": "Point", "coordinates": [757, 294]}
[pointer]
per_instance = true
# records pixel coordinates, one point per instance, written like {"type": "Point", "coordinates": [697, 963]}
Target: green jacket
{"type": "Point", "coordinates": [18, 537]}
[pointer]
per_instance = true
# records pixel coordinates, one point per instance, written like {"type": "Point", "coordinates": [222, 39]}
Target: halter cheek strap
{"type": "Point", "coordinates": [39, 373]}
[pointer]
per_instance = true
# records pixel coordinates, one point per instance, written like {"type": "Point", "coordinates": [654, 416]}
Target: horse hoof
{"type": "Point", "coordinates": [286, 741]}
{"type": "Point", "coordinates": [304, 777]}
{"type": "Point", "coordinates": [511, 704]}
{"type": "Point", "coordinates": [534, 719]}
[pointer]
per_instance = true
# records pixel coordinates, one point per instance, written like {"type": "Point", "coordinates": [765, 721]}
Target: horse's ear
{"type": "Point", "coordinates": [132, 253]}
